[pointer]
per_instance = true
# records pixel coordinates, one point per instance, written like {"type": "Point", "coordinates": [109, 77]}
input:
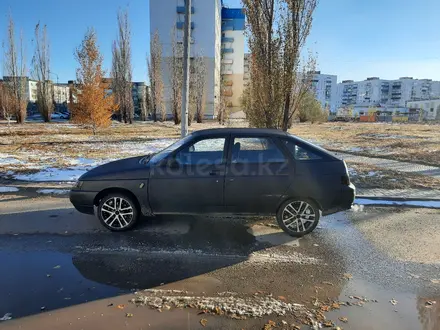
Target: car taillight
{"type": "Point", "coordinates": [345, 180]}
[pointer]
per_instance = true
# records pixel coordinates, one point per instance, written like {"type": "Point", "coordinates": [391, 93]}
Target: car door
{"type": "Point", "coordinates": [192, 178]}
{"type": "Point", "coordinates": [258, 174]}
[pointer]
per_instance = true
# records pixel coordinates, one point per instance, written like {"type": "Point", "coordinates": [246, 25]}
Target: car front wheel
{"type": "Point", "coordinates": [117, 212]}
{"type": "Point", "coordinates": [298, 217]}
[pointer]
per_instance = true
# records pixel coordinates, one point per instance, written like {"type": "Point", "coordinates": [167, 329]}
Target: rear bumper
{"type": "Point", "coordinates": [83, 200]}
{"type": "Point", "coordinates": [344, 201]}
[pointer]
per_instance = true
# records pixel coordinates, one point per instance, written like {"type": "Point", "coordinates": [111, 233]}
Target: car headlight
{"type": "Point", "coordinates": [78, 184]}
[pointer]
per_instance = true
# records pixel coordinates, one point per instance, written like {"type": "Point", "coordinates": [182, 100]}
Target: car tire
{"type": "Point", "coordinates": [298, 216]}
{"type": "Point", "coordinates": [118, 212]}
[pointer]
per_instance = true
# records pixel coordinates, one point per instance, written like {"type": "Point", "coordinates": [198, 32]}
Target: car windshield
{"type": "Point", "coordinates": [168, 150]}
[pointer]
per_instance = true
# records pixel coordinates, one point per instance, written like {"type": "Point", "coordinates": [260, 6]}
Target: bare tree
{"type": "Point", "coordinates": [156, 82]}
{"type": "Point", "coordinates": [6, 102]}
{"type": "Point", "coordinates": [121, 69]}
{"type": "Point", "coordinates": [15, 69]}
{"type": "Point", "coordinates": [175, 68]}
{"type": "Point", "coordinates": [198, 93]}
{"type": "Point", "coordinates": [277, 31]}
{"type": "Point", "coordinates": [41, 72]}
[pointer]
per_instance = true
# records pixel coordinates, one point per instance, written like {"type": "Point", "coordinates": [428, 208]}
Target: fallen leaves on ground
{"type": "Point", "coordinates": [269, 325]}
{"type": "Point", "coordinates": [129, 315]}
{"type": "Point", "coordinates": [121, 306]}
{"type": "Point", "coordinates": [335, 305]}
{"type": "Point", "coordinates": [325, 308]}
{"type": "Point", "coordinates": [328, 324]}
{"type": "Point", "coordinates": [204, 322]}
{"type": "Point", "coordinates": [343, 319]}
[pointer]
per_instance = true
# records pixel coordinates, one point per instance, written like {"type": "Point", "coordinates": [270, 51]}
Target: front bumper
{"type": "Point", "coordinates": [83, 200]}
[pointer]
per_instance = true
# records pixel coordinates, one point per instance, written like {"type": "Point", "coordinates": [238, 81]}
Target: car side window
{"type": "Point", "coordinates": [300, 153]}
{"type": "Point", "coordinates": [203, 152]}
{"type": "Point", "coordinates": [256, 150]}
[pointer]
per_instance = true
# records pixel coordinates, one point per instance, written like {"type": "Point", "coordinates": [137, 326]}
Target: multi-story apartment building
{"type": "Point", "coordinates": [232, 52]}
{"type": "Point", "coordinates": [217, 34]}
{"type": "Point", "coordinates": [325, 89]}
{"type": "Point", "coordinates": [393, 93]}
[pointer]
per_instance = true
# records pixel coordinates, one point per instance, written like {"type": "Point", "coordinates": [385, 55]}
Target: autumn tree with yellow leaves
{"type": "Point", "coordinates": [93, 105]}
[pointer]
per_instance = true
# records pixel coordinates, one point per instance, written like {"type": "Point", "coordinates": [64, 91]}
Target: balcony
{"type": "Point", "coordinates": [227, 50]}
{"type": "Point", "coordinates": [227, 39]}
{"type": "Point", "coordinates": [227, 93]}
{"type": "Point", "coordinates": [180, 25]}
{"type": "Point", "coordinates": [225, 71]}
{"type": "Point", "coordinates": [181, 10]}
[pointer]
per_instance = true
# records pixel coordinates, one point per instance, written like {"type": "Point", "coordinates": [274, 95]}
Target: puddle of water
{"type": "Point", "coordinates": [33, 280]}
{"type": "Point", "coordinates": [410, 311]}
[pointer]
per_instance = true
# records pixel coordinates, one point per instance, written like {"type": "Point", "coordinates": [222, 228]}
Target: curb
{"type": "Point", "coordinates": [399, 199]}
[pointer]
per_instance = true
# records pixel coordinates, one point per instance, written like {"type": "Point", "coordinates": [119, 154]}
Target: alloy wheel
{"type": "Point", "coordinates": [298, 216]}
{"type": "Point", "coordinates": [117, 212]}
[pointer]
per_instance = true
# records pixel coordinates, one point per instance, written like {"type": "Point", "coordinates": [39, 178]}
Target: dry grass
{"type": "Point", "coordinates": [368, 176]}
{"type": "Point", "coordinates": [418, 143]}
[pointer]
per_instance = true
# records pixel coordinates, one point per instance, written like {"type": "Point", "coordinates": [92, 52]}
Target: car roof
{"type": "Point", "coordinates": [243, 130]}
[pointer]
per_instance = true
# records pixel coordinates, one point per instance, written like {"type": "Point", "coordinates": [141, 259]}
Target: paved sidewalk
{"type": "Point", "coordinates": [421, 194]}
{"type": "Point", "coordinates": [395, 165]}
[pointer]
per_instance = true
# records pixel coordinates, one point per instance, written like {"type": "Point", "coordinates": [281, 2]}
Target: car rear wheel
{"type": "Point", "coordinates": [298, 217]}
{"type": "Point", "coordinates": [117, 212]}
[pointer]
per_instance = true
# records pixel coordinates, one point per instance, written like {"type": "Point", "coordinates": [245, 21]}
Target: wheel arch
{"type": "Point", "coordinates": [286, 198]}
{"type": "Point", "coordinates": [115, 190]}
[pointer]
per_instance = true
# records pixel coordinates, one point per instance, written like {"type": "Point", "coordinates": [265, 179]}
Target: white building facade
{"type": "Point", "coordinates": [232, 60]}
{"type": "Point", "coordinates": [430, 109]}
{"type": "Point", "coordinates": [395, 93]}
{"type": "Point", "coordinates": [325, 89]}
{"type": "Point", "coordinates": [217, 34]}
{"type": "Point", "coordinates": [168, 17]}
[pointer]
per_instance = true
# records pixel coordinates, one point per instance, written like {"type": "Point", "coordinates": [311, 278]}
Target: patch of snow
{"type": "Point", "coordinates": [8, 160]}
{"type": "Point", "coordinates": [53, 191]}
{"type": "Point", "coordinates": [85, 161]}
{"type": "Point", "coordinates": [365, 201]}
{"type": "Point", "coordinates": [53, 174]}
{"type": "Point", "coordinates": [8, 189]}
{"type": "Point", "coordinates": [231, 306]}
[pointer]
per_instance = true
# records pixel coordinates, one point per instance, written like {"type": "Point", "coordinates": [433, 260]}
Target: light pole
{"type": "Point", "coordinates": [186, 53]}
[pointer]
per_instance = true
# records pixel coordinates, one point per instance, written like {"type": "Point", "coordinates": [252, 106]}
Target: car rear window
{"type": "Point", "coordinates": [300, 152]}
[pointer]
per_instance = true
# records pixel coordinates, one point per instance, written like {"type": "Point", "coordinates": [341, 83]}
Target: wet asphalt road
{"type": "Point", "coordinates": [54, 257]}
